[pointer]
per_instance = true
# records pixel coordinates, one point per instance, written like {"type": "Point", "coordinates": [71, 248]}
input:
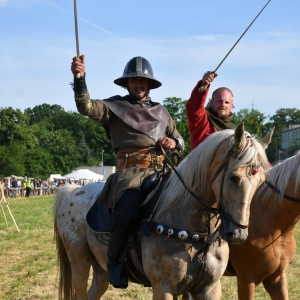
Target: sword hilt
{"type": "Point", "coordinates": [203, 85]}
{"type": "Point", "coordinates": [77, 76]}
{"type": "Point", "coordinates": [202, 88]}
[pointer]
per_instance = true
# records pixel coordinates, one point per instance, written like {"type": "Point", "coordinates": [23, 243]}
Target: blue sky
{"type": "Point", "coordinates": [181, 39]}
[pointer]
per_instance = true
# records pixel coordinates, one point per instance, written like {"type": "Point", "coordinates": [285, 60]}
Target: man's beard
{"type": "Point", "coordinates": [139, 97]}
{"type": "Point", "coordinates": [224, 117]}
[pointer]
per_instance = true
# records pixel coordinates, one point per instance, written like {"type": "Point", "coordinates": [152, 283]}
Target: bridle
{"type": "Point", "coordinates": [276, 190]}
{"type": "Point", "coordinates": [219, 211]}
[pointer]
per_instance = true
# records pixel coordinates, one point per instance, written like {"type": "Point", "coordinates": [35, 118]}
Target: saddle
{"type": "Point", "coordinates": [98, 219]}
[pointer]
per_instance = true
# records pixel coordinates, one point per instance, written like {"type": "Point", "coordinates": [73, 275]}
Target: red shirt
{"type": "Point", "coordinates": [199, 124]}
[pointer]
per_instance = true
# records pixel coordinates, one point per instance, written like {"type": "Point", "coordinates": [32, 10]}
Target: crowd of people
{"type": "Point", "coordinates": [24, 186]}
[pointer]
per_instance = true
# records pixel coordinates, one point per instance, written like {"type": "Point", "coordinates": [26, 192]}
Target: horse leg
{"type": "Point", "coordinates": [246, 290]}
{"type": "Point", "coordinates": [81, 259]}
{"type": "Point", "coordinates": [99, 282]}
{"type": "Point", "coordinates": [208, 293]}
{"type": "Point", "coordinates": [277, 288]}
{"type": "Point", "coordinates": [80, 275]}
{"type": "Point", "coordinates": [162, 296]}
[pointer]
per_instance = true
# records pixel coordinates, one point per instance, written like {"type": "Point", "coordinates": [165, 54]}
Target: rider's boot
{"type": "Point", "coordinates": [124, 219]}
{"type": "Point", "coordinates": [116, 265]}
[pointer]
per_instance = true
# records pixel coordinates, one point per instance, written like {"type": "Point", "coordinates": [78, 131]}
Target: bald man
{"type": "Point", "coordinates": [202, 121]}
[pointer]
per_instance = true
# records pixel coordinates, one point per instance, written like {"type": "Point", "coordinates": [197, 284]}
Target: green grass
{"type": "Point", "coordinates": [28, 266]}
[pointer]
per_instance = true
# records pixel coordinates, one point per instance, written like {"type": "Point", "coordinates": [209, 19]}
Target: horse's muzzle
{"type": "Point", "coordinates": [232, 233]}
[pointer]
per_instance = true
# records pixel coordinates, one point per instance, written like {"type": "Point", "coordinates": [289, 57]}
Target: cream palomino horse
{"type": "Point", "coordinates": [223, 172]}
{"type": "Point", "coordinates": [270, 246]}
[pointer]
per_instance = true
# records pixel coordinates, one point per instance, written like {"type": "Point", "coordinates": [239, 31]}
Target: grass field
{"type": "Point", "coordinates": [28, 264]}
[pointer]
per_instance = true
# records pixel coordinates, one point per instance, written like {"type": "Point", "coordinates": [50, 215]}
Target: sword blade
{"type": "Point", "coordinates": [202, 87]}
{"type": "Point", "coordinates": [76, 29]}
{"type": "Point", "coordinates": [76, 34]}
{"type": "Point", "coordinates": [240, 38]}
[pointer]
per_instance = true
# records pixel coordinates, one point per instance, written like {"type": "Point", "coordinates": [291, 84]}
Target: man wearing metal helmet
{"type": "Point", "coordinates": [137, 128]}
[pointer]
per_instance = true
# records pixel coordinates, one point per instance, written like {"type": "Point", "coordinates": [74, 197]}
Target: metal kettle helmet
{"type": "Point", "coordinates": [138, 67]}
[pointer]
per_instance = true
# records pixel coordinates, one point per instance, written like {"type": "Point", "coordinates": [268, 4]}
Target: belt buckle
{"type": "Point", "coordinates": [152, 150]}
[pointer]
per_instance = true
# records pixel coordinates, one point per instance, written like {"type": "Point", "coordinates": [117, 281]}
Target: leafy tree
{"type": "Point", "coordinates": [62, 147]}
{"type": "Point", "coordinates": [84, 152]}
{"type": "Point", "coordinates": [97, 139]}
{"type": "Point", "coordinates": [294, 147]}
{"type": "Point", "coordinates": [38, 163]}
{"type": "Point", "coordinates": [176, 108]}
{"type": "Point", "coordinates": [15, 127]}
{"type": "Point", "coordinates": [12, 159]}
{"type": "Point", "coordinates": [44, 113]}
{"type": "Point", "coordinates": [253, 120]}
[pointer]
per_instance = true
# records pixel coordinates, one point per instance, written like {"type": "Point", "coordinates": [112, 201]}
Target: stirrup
{"type": "Point", "coordinates": [118, 277]}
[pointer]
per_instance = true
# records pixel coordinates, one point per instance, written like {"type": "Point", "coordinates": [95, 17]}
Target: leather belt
{"type": "Point", "coordinates": [149, 157]}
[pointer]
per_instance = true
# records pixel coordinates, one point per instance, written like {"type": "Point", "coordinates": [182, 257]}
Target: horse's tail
{"type": "Point", "coordinates": [65, 287]}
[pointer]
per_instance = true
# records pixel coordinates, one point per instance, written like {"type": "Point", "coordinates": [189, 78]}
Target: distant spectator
{"type": "Point", "coordinates": [27, 186]}
{"type": "Point", "coordinates": [23, 186]}
{"type": "Point", "coordinates": [60, 183]}
{"type": "Point", "coordinates": [45, 187]}
{"type": "Point", "coordinates": [14, 183]}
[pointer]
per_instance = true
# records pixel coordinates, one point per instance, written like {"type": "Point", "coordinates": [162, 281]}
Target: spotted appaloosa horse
{"type": "Point", "coordinates": [270, 246]}
{"type": "Point", "coordinates": [221, 175]}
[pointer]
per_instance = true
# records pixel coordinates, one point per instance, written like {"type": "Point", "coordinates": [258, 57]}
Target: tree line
{"type": "Point", "coordinates": [46, 139]}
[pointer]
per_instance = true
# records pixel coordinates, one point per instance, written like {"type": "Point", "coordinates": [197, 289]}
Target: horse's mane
{"type": "Point", "coordinates": [195, 167]}
{"type": "Point", "coordinates": [281, 175]}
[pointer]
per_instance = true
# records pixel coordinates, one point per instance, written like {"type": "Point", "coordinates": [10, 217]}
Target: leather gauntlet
{"type": "Point", "coordinates": [79, 85]}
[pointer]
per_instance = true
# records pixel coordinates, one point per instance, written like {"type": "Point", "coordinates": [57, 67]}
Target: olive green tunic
{"type": "Point", "coordinates": [123, 134]}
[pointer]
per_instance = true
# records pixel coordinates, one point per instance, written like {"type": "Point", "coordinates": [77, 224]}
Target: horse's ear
{"type": "Point", "coordinates": [266, 140]}
{"type": "Point", "coordinates": [239, 137]}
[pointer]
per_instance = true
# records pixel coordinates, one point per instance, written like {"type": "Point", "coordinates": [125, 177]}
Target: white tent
{"type": "Point", "coordinates": [17, 177]}
{"type": "Point", "coordinates": [55, 176]}
{"type": "Point", "coordinates": [84, 174]}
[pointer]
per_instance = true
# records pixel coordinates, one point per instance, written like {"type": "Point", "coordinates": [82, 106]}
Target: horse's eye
{"type": "Point", "coordinates": [234, 178]}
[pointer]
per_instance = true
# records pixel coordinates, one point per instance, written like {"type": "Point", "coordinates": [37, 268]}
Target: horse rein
{"type": "Point", "coordinates": [206, 207]}
{"type": "Point", "coordinates": [276, 190]}
{"type": "Point", "coordinates": [224, 167]}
